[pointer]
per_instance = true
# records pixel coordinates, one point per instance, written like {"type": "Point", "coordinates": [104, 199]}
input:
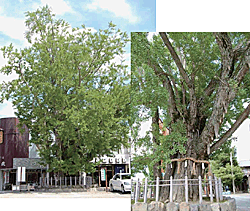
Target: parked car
{"type": "Point", "coordinates": [32, 186]}
{"type": "Point", "coordinates": [121, 182]}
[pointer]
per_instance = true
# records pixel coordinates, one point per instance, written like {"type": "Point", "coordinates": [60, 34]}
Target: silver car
{"type": "Point", "coordinates": [121, 182]}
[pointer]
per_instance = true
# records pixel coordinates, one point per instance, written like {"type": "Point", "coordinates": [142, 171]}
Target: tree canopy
{"type": "Point", "coordinates": [71, 91]}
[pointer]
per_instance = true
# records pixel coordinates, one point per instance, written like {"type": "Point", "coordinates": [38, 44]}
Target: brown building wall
{"type": "Point", "coordinates": [15, 144]}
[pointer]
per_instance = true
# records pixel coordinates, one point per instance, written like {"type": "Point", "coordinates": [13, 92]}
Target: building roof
{"type": "Point", "coordinates": [244, 163]}
{"type": "Point", "coordinates": [29, 163]}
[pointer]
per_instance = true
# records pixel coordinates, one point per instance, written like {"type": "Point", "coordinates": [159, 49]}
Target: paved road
{"type": "Point", "coordinates": [91, 194]}
{"type": "Point", "coordinates": [242, 201]}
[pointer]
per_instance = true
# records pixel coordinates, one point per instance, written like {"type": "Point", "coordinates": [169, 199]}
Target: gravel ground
{"type": "Point", "coordinates": [91, 194]}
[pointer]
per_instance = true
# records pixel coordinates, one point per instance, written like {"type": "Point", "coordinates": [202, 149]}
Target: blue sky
{"type": "Point", "coordinates": [128, 15]}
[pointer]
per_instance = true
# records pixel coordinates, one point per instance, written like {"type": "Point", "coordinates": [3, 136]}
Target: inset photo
{"type": "Point", "coordinates": [190, 112]}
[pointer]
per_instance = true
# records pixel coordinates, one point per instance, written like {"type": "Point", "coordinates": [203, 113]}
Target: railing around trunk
{"type": "Point", "coordinates": [63, 182]}
{"type": "Point", "coordinates": [212, 187]}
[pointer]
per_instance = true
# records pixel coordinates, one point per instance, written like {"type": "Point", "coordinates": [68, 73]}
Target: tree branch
{"type": "Point", "coordinates": [244, 115]}
{"type": "Point", "coordinates": [175, 57]}
{"type": "Point", "coordinates": [224, 93]}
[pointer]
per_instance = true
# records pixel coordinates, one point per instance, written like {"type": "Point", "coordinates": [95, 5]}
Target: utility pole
{"type": "Point", "coordinates": [234, 139]}
{"type": "Point", "coordinates": [231, 160]}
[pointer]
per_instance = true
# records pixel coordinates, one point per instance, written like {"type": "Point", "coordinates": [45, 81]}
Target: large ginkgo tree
{"type": "Point", "coordinates": [72, 90]}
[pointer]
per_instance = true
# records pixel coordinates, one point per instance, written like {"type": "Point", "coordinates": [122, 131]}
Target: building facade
{"type": "Point", "coordinates": [245, 166]}
{"type": "Point", "coordinates": [21, 164]}
{"type": "Point", "coordinates": [120, 162]}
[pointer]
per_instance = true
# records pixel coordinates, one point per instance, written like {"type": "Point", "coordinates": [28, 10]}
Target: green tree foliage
{"type": "Point", "coordinates": [70, 92]}
{"type": "Point", "coordinates": [221, 166]}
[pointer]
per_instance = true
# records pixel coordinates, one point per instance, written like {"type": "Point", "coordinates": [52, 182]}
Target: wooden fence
{"type": "Point", "coordinates": [150, 189]}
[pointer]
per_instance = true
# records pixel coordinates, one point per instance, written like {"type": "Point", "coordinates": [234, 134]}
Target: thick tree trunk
{"type": "Point", "coordinates": [192, 171]}
{"type": "Point", "coordinates": [180, 173]}
{"type": "Point", "coordinates": [155, 129]}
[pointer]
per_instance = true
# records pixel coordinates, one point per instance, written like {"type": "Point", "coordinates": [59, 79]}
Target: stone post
{"type": "Point", "coordinates": [211, 189]}
{"type": "Point", "coordinates": [171, 189]}
{"type": "Point", "coordinates": [200, 189]}
{"type": "Point", "coordinates": [157, 189]}
{"type": "Point", "coordinates": [186, 188]}
{"type": "Point", "coordinates": [145, 190]}
{"type": "Point", "coordinates": [136, 191]}
{"type": "Point", "coordinates": [216, 189]}
{"type": "Point", "coordinates": [220, 189]}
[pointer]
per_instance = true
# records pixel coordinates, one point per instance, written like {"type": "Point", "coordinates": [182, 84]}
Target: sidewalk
{"type": "Point", "coordinates": [90, 194]}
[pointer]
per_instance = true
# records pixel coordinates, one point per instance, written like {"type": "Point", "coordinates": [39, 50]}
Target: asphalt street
{"type": "Point", "coordinates": [242, 201]}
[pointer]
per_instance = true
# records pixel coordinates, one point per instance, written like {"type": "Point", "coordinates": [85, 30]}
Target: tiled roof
{"type": "Point", "coordinates": [29, 163]}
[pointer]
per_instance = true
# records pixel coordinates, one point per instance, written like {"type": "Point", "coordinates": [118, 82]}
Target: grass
{"type": "Point", "coordinates": [142, 200]}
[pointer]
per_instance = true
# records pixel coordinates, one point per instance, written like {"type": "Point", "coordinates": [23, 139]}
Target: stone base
{"type": "Point", "coordinates": [140, 206]}
{"type": "Point", "coordinates": [159, 206]}
{"type": "Point", "coordinates": [229, 205]}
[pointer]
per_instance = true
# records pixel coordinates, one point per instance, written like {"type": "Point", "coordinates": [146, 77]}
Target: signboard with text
{"type": "Point", "coordinates": [103, 174]}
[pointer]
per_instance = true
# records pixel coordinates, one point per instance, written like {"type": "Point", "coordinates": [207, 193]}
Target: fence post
{"type": "Point", "coordinates": [171, 189]}
{"type": "Point", "coordinates": [84, 180]}
{"type": "Point", "coordinates": [186, 188]}
{"type": "Point", "coordinates": [151, 192]}
{"type": "Point", "coordinates": [70, 180]}
{"type": "Point", "coordinates": [220, 189]}
{"type": "Point", "coordinates": [60, 182]}
{"type": "Point", "coordinates": [139, 190]}
{"type": "Point", "coordinates": [145, 190]}
{"type": "Point", "coordinates": [200, 188]}
{"type": "Point", "coordinates": [79, 180]}
{"type": "Point", "coordinates": [51, 181]}
{"type": "Point", "coordinates": [65, 181]}
{"type": "Point", "coordinates": [216, 189]}
{"type": "Point", "coordinates": [136, 191]}
{"type": "Point", "coordinates": [75, 180]}
{"type": "Point", "coordinates": [41, 181]}
{"type": "Point", "coordinates": [157, 189]}
{"type": "Point", "coordinates": [211, 189]}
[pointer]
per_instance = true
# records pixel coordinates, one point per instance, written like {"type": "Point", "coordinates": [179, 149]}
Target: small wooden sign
{"type": "Point", "coordinates": [1, 136]}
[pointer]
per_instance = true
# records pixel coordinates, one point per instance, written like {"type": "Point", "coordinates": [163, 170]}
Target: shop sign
{"type": "Point", "coordinates": [1, 136]}
{"type": "Point", "coordinates": [103, 174]}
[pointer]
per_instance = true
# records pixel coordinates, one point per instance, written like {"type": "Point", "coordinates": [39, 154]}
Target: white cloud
{"type": "Point", "coordinates": [13, 27]}
{"type": "Point", "coordinates": [59, 7]}
{"type": "Point", "coordinates": [118, 7]}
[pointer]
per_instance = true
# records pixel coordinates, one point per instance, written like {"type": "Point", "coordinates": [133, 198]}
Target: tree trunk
{"type": "Point", "coordinates": [179, 171]}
